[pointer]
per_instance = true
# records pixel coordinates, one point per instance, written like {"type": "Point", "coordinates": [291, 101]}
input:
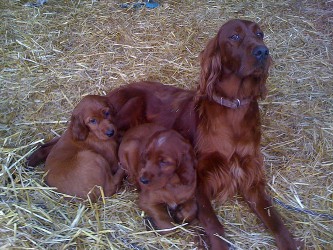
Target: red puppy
{"type": "Point", "coordinates": [84, 159]}
{"type": "Point", "coordinates": [162, 166]}
{"type": "Point", "coordinates": [129, 115]}
{"type": "Point", "coordinates": [222, 120]}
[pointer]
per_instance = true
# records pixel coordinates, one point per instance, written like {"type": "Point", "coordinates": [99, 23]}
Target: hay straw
{"type": "Point", "coordinates": [55, 54]}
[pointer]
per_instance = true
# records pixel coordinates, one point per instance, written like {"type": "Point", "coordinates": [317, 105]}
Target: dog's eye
{"type": "Point", "coordinates": [163, 163]}
{"type": "Point", "coordinates": [260, 34]}
{"type": "Point", "coordinates": [106, 113]}
{"type": "Point", "coordinates": [235, 37]}
{"type": "Point", "coordinates": [93, 121]}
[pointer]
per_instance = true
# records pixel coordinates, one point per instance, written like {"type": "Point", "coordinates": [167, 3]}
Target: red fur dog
{"type": "Point", "coordinates": [161, 163]}
{"type": "Point", "coordinates": [128, 115]}
{"type": "Point", "coordinates": [222, 120]}
{"type": "Point", "coordinates": [84, 159]}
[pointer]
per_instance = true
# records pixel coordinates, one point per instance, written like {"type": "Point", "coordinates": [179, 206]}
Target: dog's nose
{"type": "Point", "coordinates": [110, 132]}
{"type": "Point", "coordinates": [144, 180]}
{"type": "Point", "coordinates": [261, 52]}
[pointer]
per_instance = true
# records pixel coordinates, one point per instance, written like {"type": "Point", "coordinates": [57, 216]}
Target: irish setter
{"type": "Point", "coordinates": [84, 159]}
{"type": "Point", "coordinates": [222, 120]}
{"type": "Point", "coordinates": [161, 163]}
{"type": "Point", "coordinates": [122, 119]}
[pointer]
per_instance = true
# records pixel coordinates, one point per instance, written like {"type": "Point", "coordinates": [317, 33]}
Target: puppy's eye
{"type": "Point", "coordinates": [164, 163]}
{"type": "Point", "coordinates": [106, 113]}
{"type": "Point", "coordinates": [260, 34]}
{"type": "Point", "coordinates": [93, 121]}
{"type": "Point", "coordinates": [235, 37]}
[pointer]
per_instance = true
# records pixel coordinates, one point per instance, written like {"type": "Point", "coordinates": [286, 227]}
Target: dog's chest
{"type": "Point", "coordinates": [225, 142]}
{"type": "Point", "coordinates": [174, 195]}
{"type": "Point", "coordinates": [227, 132]}
{"type": "Point", "coordinates": [106, 149]}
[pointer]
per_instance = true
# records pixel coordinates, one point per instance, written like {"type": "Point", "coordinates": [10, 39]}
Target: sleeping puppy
{"type": "Point", "coordinates": [161, 163]}
{"type": "Point", "coordinates": [84, 159]}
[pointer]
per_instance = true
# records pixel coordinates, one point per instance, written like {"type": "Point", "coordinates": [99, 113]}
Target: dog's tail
{"type": "Point", "coordinates": [40, 155]}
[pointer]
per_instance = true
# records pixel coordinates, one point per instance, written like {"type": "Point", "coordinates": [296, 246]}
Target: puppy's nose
{"type": "Point", "coordinates": [261, 52]}
{"type": "Point", "coordinates": [110, 132]}
{"type": "Point", "coordinates": [144, 180]}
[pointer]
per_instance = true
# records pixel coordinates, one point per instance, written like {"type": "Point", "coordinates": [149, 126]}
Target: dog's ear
{"type": "Point", "coordinates": [112, 109]}
{"type": "Point", "coordinates": [187, 164]}
{"type": "Point", "coordinates": [78, 128]}
{"type": "Point", "coordinates": [211, 67]}
{"type": "Point", "coordinates": [262, 86]}
{"type": "Point", "coordinates": [131, 114]}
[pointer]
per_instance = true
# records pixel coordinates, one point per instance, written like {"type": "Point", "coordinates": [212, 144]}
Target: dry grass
{"type": "Point", "coordinates": [52, 56]}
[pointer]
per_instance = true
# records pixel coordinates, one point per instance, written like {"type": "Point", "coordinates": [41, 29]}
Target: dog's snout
{"type": "Point", "coordinates": [110, 132]}
{"type": "Point", "coordinates": [144, 180]}
{"type": "Point", "coordinates": [261, 52]}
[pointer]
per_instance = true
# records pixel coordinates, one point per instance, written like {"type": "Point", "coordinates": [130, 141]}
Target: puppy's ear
{"type": "Point", "coordinates": [78, 128]}
{"type": "Point", "coordinates": [142, 156]}
{"type": "Point", "coordinates": [112, 109]}
{"type": "Point", "coordinates": [187, 165]}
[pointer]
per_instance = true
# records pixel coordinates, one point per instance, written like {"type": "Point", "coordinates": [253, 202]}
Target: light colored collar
{"type": "Point", "coordinates": [234, 104]}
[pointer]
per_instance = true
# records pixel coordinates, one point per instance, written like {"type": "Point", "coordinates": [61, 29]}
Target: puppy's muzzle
{"type": "Point", "coordinates": [144, 180]}
{"type": "Point", "coordinates": [110, 132]}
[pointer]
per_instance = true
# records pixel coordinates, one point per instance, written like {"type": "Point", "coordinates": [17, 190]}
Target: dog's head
{"type": "Point", "coordinates": [168, 158]}
{"type": "Point", "coordinates": [92, 116]}
{"type": "Point", "coordinates": [237, 49]}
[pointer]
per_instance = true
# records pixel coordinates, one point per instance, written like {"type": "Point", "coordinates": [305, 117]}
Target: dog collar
{"type": "Point", "coordinates": [234, 104]}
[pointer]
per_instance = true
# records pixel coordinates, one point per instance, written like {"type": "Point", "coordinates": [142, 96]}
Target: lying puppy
{"type": "Point", "coordinates": [84, 159]}
{"type": "Point", "coordinates": [161, 163]}
{"type": "Point", "coordinates": [129, 115]}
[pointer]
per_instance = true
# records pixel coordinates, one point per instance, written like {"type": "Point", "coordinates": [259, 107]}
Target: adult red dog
{"type": "Point", "coordinates": [222, 120]}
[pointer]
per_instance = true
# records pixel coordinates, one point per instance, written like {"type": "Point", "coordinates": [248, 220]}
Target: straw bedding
{"type": "Point", "coordinates": [53, 55]}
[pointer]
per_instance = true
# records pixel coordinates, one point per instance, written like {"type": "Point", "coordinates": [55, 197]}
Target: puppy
{"type": "Point", "coordinates": [83, 161]}
{"type": "Point", "coordinates": [161, 163]}
{"type": "Point", "coordinates": [129, 115]}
